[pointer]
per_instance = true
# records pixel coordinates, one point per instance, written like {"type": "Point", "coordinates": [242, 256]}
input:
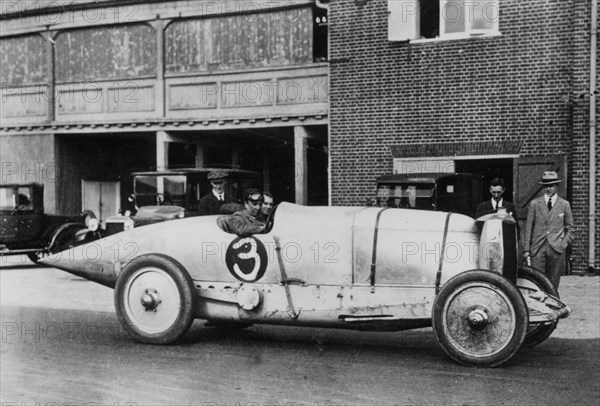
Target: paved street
{"type": "Point", "coordinates": [62, 344]}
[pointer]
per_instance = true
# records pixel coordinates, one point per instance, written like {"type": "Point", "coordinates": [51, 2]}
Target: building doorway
{"type": "Point", "coordinates": [490, 168]}
{"type": "Point", "coordinates": [103, 198]}
{"type": "Point", "coordinates": [104, 158]}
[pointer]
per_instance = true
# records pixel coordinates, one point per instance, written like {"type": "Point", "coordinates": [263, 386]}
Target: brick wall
{"type": "Point", "coordinates": [524, 85]}
{"type": "Point", "coordinates": [580, 153]}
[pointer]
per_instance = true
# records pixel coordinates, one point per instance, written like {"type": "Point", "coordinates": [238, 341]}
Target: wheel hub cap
{"type": "Point", "coordinates": [478, 319]}
{"type": "Point", "coordinates": [150, 300]}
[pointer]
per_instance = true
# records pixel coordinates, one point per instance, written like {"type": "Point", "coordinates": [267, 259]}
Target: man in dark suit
{"type": "Point", "coordinates": [497, 201]}
{"type": "Point", "coordinates": [549, 230]}
{"type": "Point", "coordinates": [211, 203]}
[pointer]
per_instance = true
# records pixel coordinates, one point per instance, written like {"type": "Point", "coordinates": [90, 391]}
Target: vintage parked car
{"type": "Point", "coordinates": [26, 229]}
{"type": "Point", "coordinates": [174, 193]}
{"type": "Point", "coordinates": [455, 192]}
{"type": "Point", "coordinates": [361, 268]}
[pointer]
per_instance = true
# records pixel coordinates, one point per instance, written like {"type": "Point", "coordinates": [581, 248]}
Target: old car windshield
{"type": "Point", "coordinates": [7, 199]}
{"type": "Point", "coordinates": [170, 187]}
{"type": "Point", "coordinates": [15, 198]}
{"type": "Point", "coordinates": [406, 195]}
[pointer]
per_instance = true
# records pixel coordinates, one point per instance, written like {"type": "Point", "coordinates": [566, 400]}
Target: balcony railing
{"type": "Point", "coordinates": [263, 92]}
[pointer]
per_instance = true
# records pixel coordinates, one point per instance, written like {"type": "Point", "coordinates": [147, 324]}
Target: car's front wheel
{"type": "Point", "coordinates": [155, 299]}
{"type": "Point", "coordinates": [530, 280]}
{"type": "Point", "coordinates": [480, 318]}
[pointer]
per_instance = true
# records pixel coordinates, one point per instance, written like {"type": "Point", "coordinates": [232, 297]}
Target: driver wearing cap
{"type": "Point", "coordinates": [245, 222]}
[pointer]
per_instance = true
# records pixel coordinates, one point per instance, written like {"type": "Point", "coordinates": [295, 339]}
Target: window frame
{"type": "Point", "coordinates": [468, 19]}
{"type": "Point", "coordinates": [404, 21]}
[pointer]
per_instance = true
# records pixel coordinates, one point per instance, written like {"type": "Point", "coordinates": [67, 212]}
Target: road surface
{"type": "Point", "coordinates": [62, 345]}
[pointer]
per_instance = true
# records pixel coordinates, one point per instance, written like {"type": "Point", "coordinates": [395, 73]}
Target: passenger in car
{"type": "Point", "coordinates": [267, 207]}
{"type": "Point", "coordinates": [245, 222]}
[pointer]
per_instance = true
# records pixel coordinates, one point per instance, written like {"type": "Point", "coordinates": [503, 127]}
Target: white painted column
{"type": "Point", "coordinates": [162, 150]}
{"type": "Point", "coordinates": [235, 157]}
{"type": "Point", "coordinates": [199, 156]}
{"type": "Point", "coordinates": [266, 172]}
{"type": "Point", "coordinates": [159, 89]}
{"type": "Point", "coordinates": [50, 73]}
{"type": "Point", "coordinates": [301, 166]}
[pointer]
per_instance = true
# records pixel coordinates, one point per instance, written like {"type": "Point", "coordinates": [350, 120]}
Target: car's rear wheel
{"type": "Point", "coordinates": [155, 299]}
{"type": "Point", "coordinates": [530, 280]}
{"type": "Point", "coordinates": [480, 318]}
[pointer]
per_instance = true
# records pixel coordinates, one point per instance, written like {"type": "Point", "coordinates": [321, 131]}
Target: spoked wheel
{"type": "Point", "coordinates": [155, 300]}
{"type": "Point", "coordinates": [530, 281]}
{"type": "Point", "coordinates": [480, 318]}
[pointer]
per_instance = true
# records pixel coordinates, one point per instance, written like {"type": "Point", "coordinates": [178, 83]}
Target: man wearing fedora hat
{"type": "Point", "coordinates": [549, 230]}
{"type": "Point", "coordinates": [211, 203]}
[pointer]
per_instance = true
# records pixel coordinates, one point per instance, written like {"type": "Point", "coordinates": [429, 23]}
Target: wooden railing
{"type": "Point", "coordinates": [262, 92]}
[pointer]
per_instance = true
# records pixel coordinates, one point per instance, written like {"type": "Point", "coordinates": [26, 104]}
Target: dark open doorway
{"type": "Point", "coordinates": [490, 168]}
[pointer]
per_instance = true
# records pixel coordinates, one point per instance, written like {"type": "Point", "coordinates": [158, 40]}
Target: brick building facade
{"type": "Point", "coordinates": [510, 99]}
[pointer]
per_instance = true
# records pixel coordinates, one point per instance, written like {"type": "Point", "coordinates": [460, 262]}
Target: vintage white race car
{"type": "Point", "coordinates": [362, 268]}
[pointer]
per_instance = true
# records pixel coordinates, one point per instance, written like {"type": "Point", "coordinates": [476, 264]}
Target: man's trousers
{"type": "Point", "coordinates": [549, 261]}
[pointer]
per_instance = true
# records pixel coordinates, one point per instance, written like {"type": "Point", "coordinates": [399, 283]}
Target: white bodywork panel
{"type": "Point", "coordinates": [327, 255]}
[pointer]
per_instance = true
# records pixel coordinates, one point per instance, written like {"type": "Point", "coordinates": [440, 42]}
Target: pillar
{"type": "Point", "coordinates": [199, 156]}
{"type": "Point", "coordinates": [301, 165]}
{"type": "Point", "coordinates": [51, 74]}
{"type": "Point", "coordinates": [266, 172]}
{"type": "Point", "coordinates": [159, 90]}
{"type": "Point", "coordinates": [162, 150]}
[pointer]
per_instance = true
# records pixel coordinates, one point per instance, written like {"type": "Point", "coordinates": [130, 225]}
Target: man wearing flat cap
{"type": "Point", "coordinates": [549, 230]}
{"type": "Point", "coordinates": [211, 203]}
{"type": "Point", "coordinates": [245, 222]}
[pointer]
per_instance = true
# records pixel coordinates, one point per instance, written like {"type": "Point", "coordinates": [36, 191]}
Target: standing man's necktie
{"type": "Point", "coordinates": [549, 204]}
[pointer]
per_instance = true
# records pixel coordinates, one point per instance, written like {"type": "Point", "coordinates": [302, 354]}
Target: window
{"type": "Point", "coordinates": [253, 40]}
{"type": "Point", "coordinates": [149, 188]}
{"type": "Point", "coordinates": [23, 60]}
{"type": "Point", "coordinates": [320, 34]}
{"type": "Point", "coordinates": [15, 199]}
{"type": "Point", "coordinates": [24, 199]}
{"type": "Point", "coordinates": [445, 19]}
{"type": "Point", "coordinates": [7, 199]}
{"type": "Point", "coordinates": [97, 53]}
